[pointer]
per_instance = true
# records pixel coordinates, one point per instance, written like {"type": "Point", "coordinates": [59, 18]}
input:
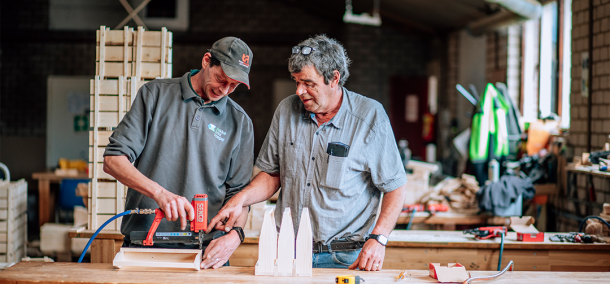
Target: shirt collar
{"type": "Point", "coordinates": [338, 120]}
{"type": "Point", "coordinates": [189, 93]}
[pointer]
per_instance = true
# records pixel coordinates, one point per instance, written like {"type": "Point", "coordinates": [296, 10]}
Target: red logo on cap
{"type": "Point", "coordinates": [245, 60]}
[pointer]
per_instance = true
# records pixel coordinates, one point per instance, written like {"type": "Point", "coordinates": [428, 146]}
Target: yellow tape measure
{"type": "Point", "coordinates": [348, 279]}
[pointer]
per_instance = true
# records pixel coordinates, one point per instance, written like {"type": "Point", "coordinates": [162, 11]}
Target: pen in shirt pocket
{"type": "Point", "coordinates": [337, 149]}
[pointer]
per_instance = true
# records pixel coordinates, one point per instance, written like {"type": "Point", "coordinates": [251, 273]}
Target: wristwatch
{"type": "Point", "coordinates": [383, 240]}
{"type": "Point", "coordinates": [240, 233]}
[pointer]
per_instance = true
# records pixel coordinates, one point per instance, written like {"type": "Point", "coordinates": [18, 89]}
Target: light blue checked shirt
{"type": "Point", "coordinates": [342, 193]}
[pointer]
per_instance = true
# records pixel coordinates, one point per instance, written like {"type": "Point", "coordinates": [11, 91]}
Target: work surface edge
{"type": "Point", "coordinates": [67, 272]}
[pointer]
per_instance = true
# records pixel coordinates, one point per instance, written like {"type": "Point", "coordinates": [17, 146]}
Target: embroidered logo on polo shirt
{"type": "Point", "coordinates": [217, 132]}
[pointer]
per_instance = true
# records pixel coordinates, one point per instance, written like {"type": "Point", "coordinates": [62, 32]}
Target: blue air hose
{"type": "Point", "coordinates": [501, 250]}
{"type": "Point", "coordinates": [80, 259]}
{"type": "Point", "coordinates": [411, 219]}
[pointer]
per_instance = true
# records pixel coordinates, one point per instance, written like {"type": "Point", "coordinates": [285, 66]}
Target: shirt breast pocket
{"type": "Point", "coordinates": [335, 172]}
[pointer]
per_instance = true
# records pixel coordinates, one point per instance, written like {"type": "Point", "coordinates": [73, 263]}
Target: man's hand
{"type": "Point", "coordinates": [219, 251]}
{"type": "Point", "coordinates": [175, 206]}
{"type": "Point", "coordinates": [371, 257]}
{"type": "Point", "coordinates": [227, 216]}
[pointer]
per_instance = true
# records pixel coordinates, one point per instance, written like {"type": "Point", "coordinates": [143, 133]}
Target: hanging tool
{"type": "Point", "coordinates": [348, 279]}
{"type": "Point", "coordinates": [484, 233]}
{"type": "Point", "coordinates": [197, 227]}
{"type": "Point", "coordinates": [510, 265]}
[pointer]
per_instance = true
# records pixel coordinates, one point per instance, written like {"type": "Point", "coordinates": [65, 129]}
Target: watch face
{"type": "Point", "coordinates": [382, 239]}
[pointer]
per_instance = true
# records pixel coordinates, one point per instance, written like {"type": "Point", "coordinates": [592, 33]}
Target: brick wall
{"type": "Point", "coordinates": [30, 53]}
{"type": "Point", "coordinates": [582, 201]}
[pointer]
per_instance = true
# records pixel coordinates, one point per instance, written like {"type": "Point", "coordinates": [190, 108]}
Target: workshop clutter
{"type": "Point", "coordinates": [457, 193]}
{"type": "Point", "coordinates": [124, 58]}
{"type": "Point", "coordinates": [597, 227]}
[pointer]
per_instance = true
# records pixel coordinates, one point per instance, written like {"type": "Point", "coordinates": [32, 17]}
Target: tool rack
{"type": "Point", "coordinates": [125, 61]}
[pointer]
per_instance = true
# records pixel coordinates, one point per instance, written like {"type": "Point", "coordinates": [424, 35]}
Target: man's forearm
{"type": "Point", "coordinates": [261, 188]}
{"type": "Point", "coordinates": [390, 209]}
{"type": "Point", "coordinates": [120, 168]}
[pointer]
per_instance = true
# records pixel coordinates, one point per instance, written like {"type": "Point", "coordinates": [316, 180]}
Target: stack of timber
{"type": "Point", "coordinates": [125, 59]}
{"type": "Point", "coordinates": [458, 193]}
{"type": "Point", "coordinates": [13, 220]}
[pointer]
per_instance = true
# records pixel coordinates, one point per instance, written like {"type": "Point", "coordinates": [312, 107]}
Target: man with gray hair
{"type": "Point", "coordinates": [332, 151]}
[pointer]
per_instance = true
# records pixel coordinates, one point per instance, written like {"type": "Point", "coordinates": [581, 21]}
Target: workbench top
{"type": "Point", "coordinates": [70, 272]}
{"type": "Point", "coordinates": [457, 239]}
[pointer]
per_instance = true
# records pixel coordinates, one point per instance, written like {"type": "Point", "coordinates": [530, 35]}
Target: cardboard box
{"type": "Point", "coordinates": [526, 232]}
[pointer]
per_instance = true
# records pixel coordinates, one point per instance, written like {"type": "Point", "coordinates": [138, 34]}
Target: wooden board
{"type": "Point", "coordinates": [303, 260]}
{"type": "Point", "coordinates": [148, 70]}
{"type": "Point", "coordinates": [68, 273]}
{"type": "Point", "coordinates": [149, 54]}
{"type": "Point", "coordinates": [153, 257]}
{"type": "Point", "coordinates": [285, 246]}
{"type": "Point", "coordinates": [267, 246]}
{"type": "Point", "coordinates": [111, 103]}
{"type": "Point", "coordinates": [102, 138]}
{"type": "Point", "coordinates": [150, 38]}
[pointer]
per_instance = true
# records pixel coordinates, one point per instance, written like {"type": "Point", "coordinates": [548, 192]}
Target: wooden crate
{"type": "Point", "coordinates": [124, 58]}
{"type": "Point", "coordinates": [13, 220]}
{"type": "Point", "coordinates": [141, 54]}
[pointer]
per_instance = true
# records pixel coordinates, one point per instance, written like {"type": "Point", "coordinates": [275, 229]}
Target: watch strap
{"type": "Point", "coordinates": [376, 237]}
{"type": "Point", "coordinates": [240, 233]}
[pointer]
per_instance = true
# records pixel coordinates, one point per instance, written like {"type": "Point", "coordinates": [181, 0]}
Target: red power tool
{"type": "Point", "coordinates": [483, 233]}
{"type": "Point", "coordinates": [197, 227]}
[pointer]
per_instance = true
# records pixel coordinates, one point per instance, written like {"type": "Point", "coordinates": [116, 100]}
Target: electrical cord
{"type": "Point", "coordinates": [82, 255]}
{"type": "Point", "coordinates": [501, 250]}
{"type": "Point", "coordinates": [584, 221]}
{"type": "Point", "coordinates": [411, 219]}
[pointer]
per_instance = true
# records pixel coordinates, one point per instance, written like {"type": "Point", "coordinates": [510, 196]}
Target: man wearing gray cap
{"type": "Point", "coordinates": [185, 136]}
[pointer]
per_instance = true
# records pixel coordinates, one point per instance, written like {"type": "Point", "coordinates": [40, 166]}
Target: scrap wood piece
{"type": "Point", "coordinates": [267, 245]}
{"type": "Point", "coordinates": [453, 272]}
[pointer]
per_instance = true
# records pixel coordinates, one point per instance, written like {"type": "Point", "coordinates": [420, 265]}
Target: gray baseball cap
{"type": "Point", "coordinates": [235, 58]}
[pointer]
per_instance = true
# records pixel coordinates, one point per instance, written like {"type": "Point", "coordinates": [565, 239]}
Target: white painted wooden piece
{"type": "Point", "coordinates": [285, 246]}
{"type": "Point", "coordinates": [153, 257]}
{"type": "Point", "coordinates": [267, 245]}
{"type": "Point", "coordinates": [304, 245]}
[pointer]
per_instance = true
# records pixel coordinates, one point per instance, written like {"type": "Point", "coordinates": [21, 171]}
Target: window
{"type": "Point", "coordinates": [547, 63]}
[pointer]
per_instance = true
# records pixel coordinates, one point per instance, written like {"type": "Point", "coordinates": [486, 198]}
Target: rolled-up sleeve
{"type": "Point", "coordinates": [268, 157]}
{"type": "Point", "coordinates": [387, 171]}
{"type": "Point", "coordinates": [242, 160]}
{"type": "Point", "coordinates": [130, 135]}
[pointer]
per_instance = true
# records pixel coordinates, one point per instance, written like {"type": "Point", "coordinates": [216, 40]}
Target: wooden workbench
{"type": "Point", "coordinates": [46, 199]}
{"type": "Point", "coordinates": [415, 249]}
{"type": "Point", "coordinates": [67, 272]}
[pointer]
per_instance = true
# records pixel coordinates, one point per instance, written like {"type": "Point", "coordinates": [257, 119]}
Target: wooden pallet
{"type": "Point", "coordinates": [124, 58]}
{"type": "Point", "coordinates": [13, 220]}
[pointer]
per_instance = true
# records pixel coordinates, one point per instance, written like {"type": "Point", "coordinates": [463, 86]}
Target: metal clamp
{"type": "Point", "coordinates": [510, 265]}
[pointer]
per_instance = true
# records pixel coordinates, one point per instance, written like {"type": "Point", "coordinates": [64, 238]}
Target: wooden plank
{"type": "Point", "coordinates": [285, 246]}
{"type": "Point", "coordinates": [137, 68]}
{"type": "Point", "coordinates": [102, 138]}
{"type": "Point", "coordinates": [163, 52]}
{"type": "Point", "coordinates": [107, 87]}
{"type": "Point", "coordinates": [109, 205]}
{"type": "Point", "coordinates": [150, 38]}
{"type": "Point", "coordinates": [100, 172]}
{"type": "Point", "coordinates": [303, 260]}
{"type": "Point", "coordinates": [101, 218]}
{"type": "Point", "coordinates": [267, 248]}
{"type": "Point", "coordinates": [106, 119]}
{"type": "Point", "coordinates": [148, 70]}
{"type": "Point", "coordinates": [110, 103]}
{"type": "Point", "coordinates": [149, 54]}
{"type": "Point", "coordinates": [151, 257]}
{"type": "Point", "coordinates": [102, 53]}
{"type": "Point", "coordinates": [102, 250]}
{"type": "Point", "coordinates": [72, 273]}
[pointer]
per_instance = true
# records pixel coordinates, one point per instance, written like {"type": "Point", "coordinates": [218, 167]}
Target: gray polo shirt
{"type": "Point", "coordinates": [185, 146]}
{"type": "Point", "coordinates": [342, 194]}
